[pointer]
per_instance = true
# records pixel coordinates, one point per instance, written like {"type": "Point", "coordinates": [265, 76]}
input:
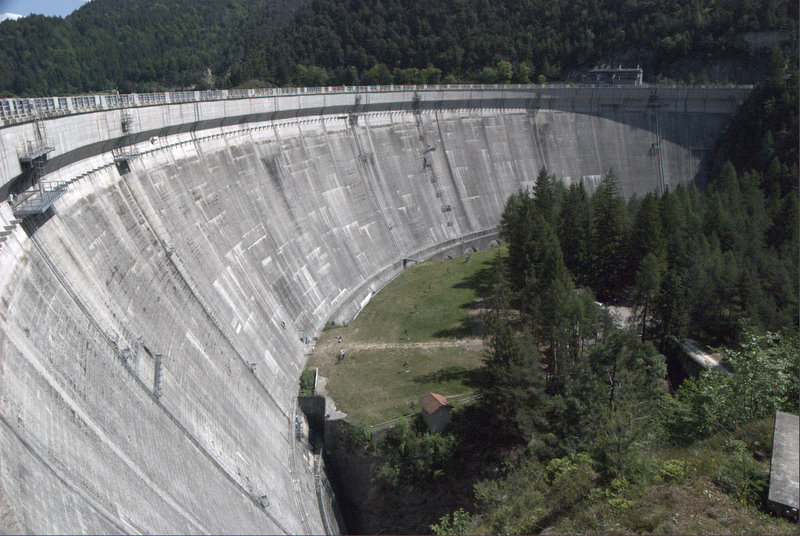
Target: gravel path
{"type": "Point", "coordinates": [331, 347]}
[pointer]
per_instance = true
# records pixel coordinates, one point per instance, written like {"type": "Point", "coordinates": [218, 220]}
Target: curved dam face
{"type": "Point", "coordinates": [151, 321]}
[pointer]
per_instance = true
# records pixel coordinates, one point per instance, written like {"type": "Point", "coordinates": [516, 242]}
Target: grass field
{"type": "Point", "coordinates": [427, 319]}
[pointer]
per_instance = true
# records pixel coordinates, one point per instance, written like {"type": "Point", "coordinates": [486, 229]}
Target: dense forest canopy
{"type": "Point", "coordinates": [140, 45]}
{"type": "Point", "coordinates": [131, 45]}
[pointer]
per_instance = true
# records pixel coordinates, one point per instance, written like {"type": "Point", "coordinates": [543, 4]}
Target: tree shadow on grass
{"type": "Point", "coordinates": [472, 325]}
{"type": "Point", "coordinates": [480, 281]}
{"type": "Point", "coordinates": [469, 377]}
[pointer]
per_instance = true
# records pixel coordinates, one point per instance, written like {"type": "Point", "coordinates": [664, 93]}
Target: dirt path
{"type": "Point", "coordinates": [468, 343]}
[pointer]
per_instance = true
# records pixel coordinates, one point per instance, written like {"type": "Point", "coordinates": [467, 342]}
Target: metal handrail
{"type": "Point", "coordinates": [15, 110]}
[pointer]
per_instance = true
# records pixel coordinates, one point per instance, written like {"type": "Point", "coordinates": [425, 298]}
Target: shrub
{"type": "Point", "coordinates": [674, 470]}
{"type": "Point", "coordinates": [307, 382]}
{"type": "Point", "coordinates": [765, 380]}
{"type": "Point", "coordinates": [570, 480]}
{"type": "Point", "coordinates": [615, 495]}
{"type": "Point", "coordinates": [740, 475]}
{"type": "Point", "coordinates": [457, 523]}
{"type": "Point", "coordinates": [357, 436]}
{"type": "Point", "coordinates": [413, 455]}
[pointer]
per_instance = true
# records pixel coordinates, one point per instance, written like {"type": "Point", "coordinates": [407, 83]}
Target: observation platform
{"type": "Point", "coordinates": [124, 155]}
{"type": "Point", "coordinates": [33, 152]}
{"type": "Point", "coordinates": [38, 200]}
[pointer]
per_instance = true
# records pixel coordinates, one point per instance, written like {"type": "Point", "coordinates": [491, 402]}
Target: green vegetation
{"type": "Point", "coordinates": [132, 45]}
{"type": "Point", "coordinates": [413, 455]}
{"type": "Point", "coordinates": [692, 262]}
{"type": "Point", "coordinates": [577, 430]}
{"type": "Point", "coordinates": [711, 488]}
{"type": "Point", "coordinates": [593, 440]}
{"type": "Point", "coordinates": [764, 381]}
{"type": "Point", "coordinates": [433, 300]}
{"type": "Point", "coordinates": [150, 45]}
{"type": "Point", "coordinates": [372, 386]}
{"type": "Point", "coordinates": [307, 382]}
{"type": "Point", "coordinates": [428, 318]}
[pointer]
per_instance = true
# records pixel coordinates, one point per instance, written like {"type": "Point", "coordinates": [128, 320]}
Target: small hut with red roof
{"type": "Point", "coordinates": [435, 411]}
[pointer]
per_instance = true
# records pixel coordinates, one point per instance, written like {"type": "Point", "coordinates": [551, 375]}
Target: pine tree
{"type": "Point", "coordinates": [671, 307]}
{"type": "Point", "coordinates": [646, 235]}
{"type": "Point", "coordinates": [648, 281]}
{"type": "Point", "coordinates": [544, 196]}
{"type": "Point", "coordinates": [514, 385]}
{"type": "Point", "coordinates": [575, 233]}
{"type": "Point", "coordinates": [518, 229]}
{"type": "Point", "coordinates": [629, 373]}
{"type": "Point", "coordinates": [608, 240]}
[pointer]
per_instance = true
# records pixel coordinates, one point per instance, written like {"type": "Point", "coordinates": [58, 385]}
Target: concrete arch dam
{"type": "Point", "coordinates": [151, 321]}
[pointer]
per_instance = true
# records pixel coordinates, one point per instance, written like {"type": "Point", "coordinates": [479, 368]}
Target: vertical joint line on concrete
{"type": "Point", "coordinates": [428, 164]}
{"type": "Point", "coordinates": [661, 184]}
{"type": "Point", "coordinates": [364, 159]}
{"type": "Point", "coordinates": [157, 376]}
{"type": "Point", "coordinates": [195, 293]}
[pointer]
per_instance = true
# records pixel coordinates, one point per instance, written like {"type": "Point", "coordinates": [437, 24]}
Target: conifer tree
{"type": "Point", "coordinates": [544, 196]}
{"type": "Point", "coordinates": [548, 293]}
{"type": "Point", "coordinates": [575, 233]}
{"type": "Point", "coordinates": [648, 281]}
{"type": "Point", "coordinates": [609, 238]}
{"type": "Point", "coordinates": [671, 308]}
{"type": "Point", "coordinates": [518, 229]}
{"type": "Point", "coordinates": [514, 385]}
{"type": "Point", "coordinates": [646, 235]}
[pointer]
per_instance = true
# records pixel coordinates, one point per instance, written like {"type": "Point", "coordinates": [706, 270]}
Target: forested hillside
{"type": "Point", "coordinates": [156, 44]}
{"type": "Point", "coordinates": [509, 40]}
{"type": "Point", "coordinates": [132, 45]}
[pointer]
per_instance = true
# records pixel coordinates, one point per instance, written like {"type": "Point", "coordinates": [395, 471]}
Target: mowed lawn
{"type": "Point", "coordinates": [420, 333]}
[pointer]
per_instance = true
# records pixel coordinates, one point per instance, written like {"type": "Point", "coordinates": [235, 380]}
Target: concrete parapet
{"type": "Point", "coordinates": [101, 130]}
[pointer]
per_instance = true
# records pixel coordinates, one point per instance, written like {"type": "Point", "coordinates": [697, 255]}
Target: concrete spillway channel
{"type": "Point", "coordinates": [242, 221]}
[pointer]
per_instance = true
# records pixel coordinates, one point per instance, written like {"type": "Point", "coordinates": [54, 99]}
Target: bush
{"type": "Point", "coordinates": [570, 480]}
{"type": "Point", "coordinates": [765, 380]}
{"type": "Point", "coordinates": [413, 455]}
{"type": "Point", "coordinates": [457, 523]}
{"type": "Point", "coordinates": [307, 382]}
{"type": "Point", "coordinates": [615, 495]}
{"type": "Point", "coordinates": [357, 436]}
{"type": "Point", "coordinates": [558, 468]}
{"type": "Point", "coordinates": [740, 475]}
{"type": "Point", "coordinates": [674, 470]}
{"type": "Point", "coordinates": [514, 504]}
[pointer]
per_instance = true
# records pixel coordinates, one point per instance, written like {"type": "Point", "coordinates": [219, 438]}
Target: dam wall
{"type": "Point", "coordinates": [242, 226]}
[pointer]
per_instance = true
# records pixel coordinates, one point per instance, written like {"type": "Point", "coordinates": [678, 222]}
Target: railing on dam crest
{"type": "Point", "coordinates": [16, 110]}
